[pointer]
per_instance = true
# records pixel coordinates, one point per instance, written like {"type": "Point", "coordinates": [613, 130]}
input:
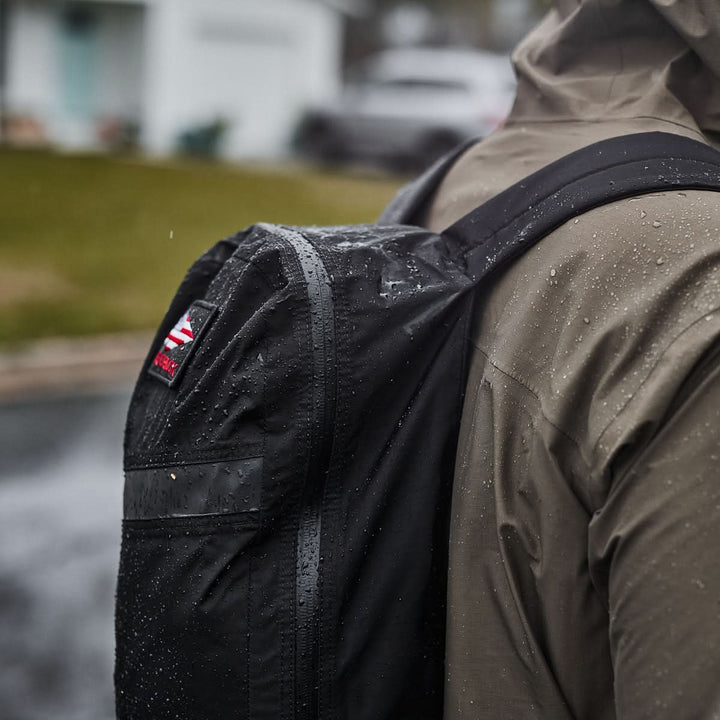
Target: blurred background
{"type": "Point", "coordinates": [133, 135]}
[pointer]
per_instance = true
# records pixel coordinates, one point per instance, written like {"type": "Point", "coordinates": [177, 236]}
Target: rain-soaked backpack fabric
{"type": "Point", "coordinates": [290, 450]}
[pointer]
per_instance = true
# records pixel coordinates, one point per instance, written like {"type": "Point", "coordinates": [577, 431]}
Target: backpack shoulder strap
{"type": "Point", "coordinates": [415, 194]}
{"type": "Point", "coordinates": [511, 222]}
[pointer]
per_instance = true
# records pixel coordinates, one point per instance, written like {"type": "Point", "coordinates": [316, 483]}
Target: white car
{"type": "Point", "coordinates": [411, 105]}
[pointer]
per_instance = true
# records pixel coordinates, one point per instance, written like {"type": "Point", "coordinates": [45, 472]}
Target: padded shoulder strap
{"type": "Point", "coordinates": [414, 195]}
{"type": "Point", "coordinates": [621, 167]}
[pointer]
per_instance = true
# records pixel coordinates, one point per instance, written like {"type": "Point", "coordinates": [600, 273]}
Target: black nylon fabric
{"type": "Point", "coordinates": [287, 500]}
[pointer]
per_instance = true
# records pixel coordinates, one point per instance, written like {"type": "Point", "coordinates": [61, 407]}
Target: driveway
{"type": "Point", "coordinates": [60, 511]}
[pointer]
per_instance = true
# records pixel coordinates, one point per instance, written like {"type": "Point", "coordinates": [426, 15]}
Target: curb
{"type": "Point", "coordinates": [63, 365]}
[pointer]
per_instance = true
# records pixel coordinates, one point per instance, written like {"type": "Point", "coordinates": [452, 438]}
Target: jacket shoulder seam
{"type": "Point", "coordinates": [532, 391]}
{"type": "Point", "coordinates": [649, 374]}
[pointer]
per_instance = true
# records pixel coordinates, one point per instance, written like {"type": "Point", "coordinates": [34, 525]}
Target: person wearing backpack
{"type": "Point", "coordinates": [327, 416]}
{"type": "Point", "coordinates": [584, 579]}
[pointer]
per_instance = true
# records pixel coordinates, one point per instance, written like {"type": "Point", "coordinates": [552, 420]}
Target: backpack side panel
{"type": "Point", "coordinates": [206, 588]}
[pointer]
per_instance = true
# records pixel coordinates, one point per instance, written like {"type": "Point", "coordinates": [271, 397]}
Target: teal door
{"type": "Point", "coordinates": [79, 61]}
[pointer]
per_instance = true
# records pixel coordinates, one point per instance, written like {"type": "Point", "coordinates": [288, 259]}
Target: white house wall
{"type": "Point", "coordinates": [172, 65]}
{"type": "Point", "coordinates": [32, 73]}
{"type": "Point", "coordinates": [255, 64]}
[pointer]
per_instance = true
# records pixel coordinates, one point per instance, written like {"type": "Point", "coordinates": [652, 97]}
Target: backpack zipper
{"type": "Point", "coordinates": [322, 335]}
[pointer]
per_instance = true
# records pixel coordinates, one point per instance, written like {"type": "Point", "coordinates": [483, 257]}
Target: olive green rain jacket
{"type": "Point", "coordinates": [585, 544]}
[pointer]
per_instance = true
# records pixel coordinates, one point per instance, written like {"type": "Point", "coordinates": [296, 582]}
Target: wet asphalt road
{"type": "Point", "coordinates": [60, 511]}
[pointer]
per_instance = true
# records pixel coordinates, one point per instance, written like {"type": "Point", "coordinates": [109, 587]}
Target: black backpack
{"type": "Point", "coordinates": [290, 448]}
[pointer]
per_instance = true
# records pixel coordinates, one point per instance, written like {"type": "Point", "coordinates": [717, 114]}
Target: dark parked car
{"type": "Point", "coordinates": [410, 105]}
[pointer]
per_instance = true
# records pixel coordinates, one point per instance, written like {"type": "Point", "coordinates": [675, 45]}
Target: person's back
{"type": "Point", "coordinates": [584, 581]}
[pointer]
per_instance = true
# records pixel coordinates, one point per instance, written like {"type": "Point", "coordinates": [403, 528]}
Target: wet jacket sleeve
{"type": "Point", "coordinates": [654, 558]}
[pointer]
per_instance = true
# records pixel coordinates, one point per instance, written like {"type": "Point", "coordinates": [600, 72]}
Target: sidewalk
{"type": "Point", "coordinates": [71, 365]}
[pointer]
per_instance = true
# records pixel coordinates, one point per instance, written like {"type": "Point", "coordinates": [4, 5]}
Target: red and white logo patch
{"type": "Point", "coordinates": [182, 333]}
{"type": "Point", "coordinates": [181, 342]}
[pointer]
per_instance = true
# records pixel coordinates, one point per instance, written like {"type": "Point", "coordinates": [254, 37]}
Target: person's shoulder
{"type": "Point", "coordinates": [652, 255]}
{"type": "Point", "coordinates": [604, 319]}
{"type": "Point", "coordinates": [646, 285]}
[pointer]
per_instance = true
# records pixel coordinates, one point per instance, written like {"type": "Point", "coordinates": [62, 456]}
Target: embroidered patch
{"type": "Point", "coordinates": [181, 342]}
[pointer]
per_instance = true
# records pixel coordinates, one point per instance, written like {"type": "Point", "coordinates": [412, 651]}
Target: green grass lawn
{"type": "Point", "coordinates": [99, 244]}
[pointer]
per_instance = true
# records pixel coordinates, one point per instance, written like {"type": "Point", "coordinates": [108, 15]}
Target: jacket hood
{"type": "Point", "coordinates": [609, 59]}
